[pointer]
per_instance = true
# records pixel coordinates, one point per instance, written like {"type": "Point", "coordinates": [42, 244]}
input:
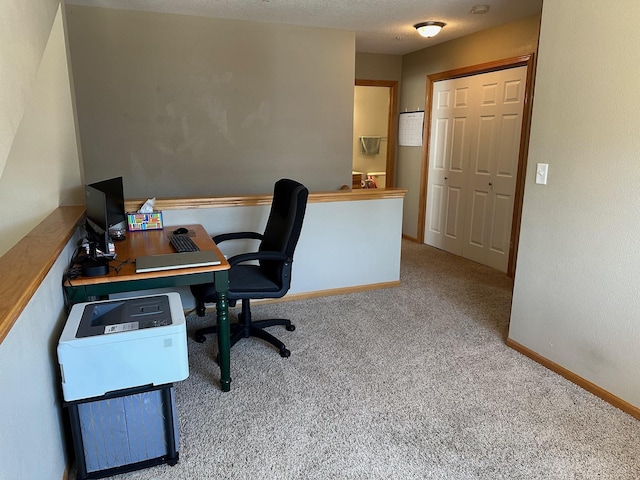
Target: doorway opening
{"type": "Point", "coordinates": [374, 133]}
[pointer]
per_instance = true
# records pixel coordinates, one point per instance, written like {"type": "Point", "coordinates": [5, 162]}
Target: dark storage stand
{"type": "Point", "coordinates": [118, 362]}
{"type": "Point", "coordinates": [124, 431]}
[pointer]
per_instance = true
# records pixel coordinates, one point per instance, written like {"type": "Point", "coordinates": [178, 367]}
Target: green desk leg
{"type": "Point", "coordinates": [224, 333]}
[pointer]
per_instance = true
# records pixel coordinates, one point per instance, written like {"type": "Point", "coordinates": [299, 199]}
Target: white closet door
{"type": "Point", "coordinates": [448, 160]}
{"type": "Point", "coordinates": [477, 209]}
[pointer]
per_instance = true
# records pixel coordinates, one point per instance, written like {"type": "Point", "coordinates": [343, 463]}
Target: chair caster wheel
{"type": "Point", "coordinates": [200, 338]}
{"type": "Point", "coordinates": [284, 353]}
{"type": "Point", "coordinates": [291, 328]}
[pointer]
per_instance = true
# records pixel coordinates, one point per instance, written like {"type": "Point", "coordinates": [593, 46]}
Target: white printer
{"type": "Point", "coordinates": [117, 344]}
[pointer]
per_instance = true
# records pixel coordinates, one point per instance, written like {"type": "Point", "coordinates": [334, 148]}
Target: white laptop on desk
{"type": "Point", "coordinates": [172, 261]}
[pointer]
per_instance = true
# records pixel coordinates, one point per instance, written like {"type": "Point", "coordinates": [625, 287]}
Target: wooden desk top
{"type": "Point", "coordinates": [153, 242]}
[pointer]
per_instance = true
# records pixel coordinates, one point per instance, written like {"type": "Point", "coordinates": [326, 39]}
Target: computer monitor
{"type": "Point", "coordinates": [114, 197]}
{"type": "Point", "coordinates": [105, 208]}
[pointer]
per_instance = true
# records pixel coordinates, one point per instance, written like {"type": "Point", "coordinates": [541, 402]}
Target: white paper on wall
{"type": "Point", "coordinates": [410, 128]}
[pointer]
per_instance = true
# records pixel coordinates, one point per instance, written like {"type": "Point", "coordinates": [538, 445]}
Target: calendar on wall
{"type": "Point", "coordinates": [410, 128]}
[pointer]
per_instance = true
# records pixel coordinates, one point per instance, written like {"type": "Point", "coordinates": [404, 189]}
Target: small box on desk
{"type": "Point", "coordinates": [144, 221]}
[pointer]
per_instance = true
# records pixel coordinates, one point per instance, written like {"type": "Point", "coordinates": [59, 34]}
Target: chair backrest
{"type": "Point", "coordinates": [284, 224]}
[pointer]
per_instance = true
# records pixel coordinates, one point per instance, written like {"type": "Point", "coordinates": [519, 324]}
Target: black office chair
{"type": "Point", "coordinates": [271, 277]}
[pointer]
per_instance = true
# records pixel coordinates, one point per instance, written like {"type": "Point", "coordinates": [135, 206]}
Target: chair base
{"type": "Point", "coordinates": [252, 329]}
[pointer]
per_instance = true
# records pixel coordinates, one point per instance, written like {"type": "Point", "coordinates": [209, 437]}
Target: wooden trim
{"type": "Point", "coordinates": [525, 135]}
{"type": "Point", "coordinates": [424, 160]}
{"type": "Point", "coordinates": [578, 380]}
{"type": "Point", "coordinates": [25, 265]}
{"type": "Point", "coordinates": [342, 291]}
{"type": "Point", "coordinates": [411, 239]}
{"type": "Point", "coordinates": [392, 124]}
{"type": "Point", "coordinates": [329, 292]}
{"type": "Point", "coordinates": [132, 205]}
{"type": "Point", "coordinates": [523, 60]}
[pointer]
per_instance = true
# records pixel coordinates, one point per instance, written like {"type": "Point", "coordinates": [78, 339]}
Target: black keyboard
{"type": "Point", "coordinates": [183, 243]}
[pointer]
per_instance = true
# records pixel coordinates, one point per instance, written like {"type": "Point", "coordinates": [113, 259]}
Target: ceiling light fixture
{"type": "Point", "coordinates": [429, 29]}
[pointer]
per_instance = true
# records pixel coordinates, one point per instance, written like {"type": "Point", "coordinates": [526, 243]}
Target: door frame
{"type": "Point", "coordinates": [392, 124]}
{"type": "Point", "coordinates": [524, 60]}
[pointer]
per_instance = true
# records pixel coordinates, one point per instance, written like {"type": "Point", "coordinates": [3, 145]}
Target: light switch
{"type": "Point", "coordinates": [541, 173]}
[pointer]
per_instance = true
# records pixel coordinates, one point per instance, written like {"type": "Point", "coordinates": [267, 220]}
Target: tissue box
{"type": "Point", "coordinates": [144, 221]}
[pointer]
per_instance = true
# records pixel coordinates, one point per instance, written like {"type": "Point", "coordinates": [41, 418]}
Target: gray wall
{"type": "Point", "coordinates": [506, 41]}
{"type": "Point", "coordinates": [576, 298]}
{"type": "Point", "coordinates": [41, 169]}
{"type": "Point", "coordinates": [186, 106]}
{"type": "Point", "coordinates": [378, 66]}
{"type": "Point", "coordinates": [23, 36]}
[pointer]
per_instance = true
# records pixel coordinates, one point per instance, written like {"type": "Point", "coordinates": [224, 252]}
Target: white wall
{"type": "Point", "coordinates": [576, 296]}
{"type": "Point", "coordinates": [342, 244]}
{"type": "Point", "coordinates": [31, 420]}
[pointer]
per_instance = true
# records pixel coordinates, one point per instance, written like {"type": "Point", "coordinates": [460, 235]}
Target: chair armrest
{"type": "Point", "coordinates": [236, 236]}
{"type": "Point", "coordinates": [264, 255]}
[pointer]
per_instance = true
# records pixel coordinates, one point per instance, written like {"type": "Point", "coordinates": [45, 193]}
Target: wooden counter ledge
{"type": "Point", "coordinates": [25, 265]}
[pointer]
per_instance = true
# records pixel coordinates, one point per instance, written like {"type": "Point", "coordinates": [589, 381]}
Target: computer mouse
{"type": "Point", "coordinates": [180, 231]}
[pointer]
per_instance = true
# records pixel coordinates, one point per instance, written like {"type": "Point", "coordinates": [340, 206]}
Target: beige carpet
{"type": "Point", "coordinates": [413, 382]}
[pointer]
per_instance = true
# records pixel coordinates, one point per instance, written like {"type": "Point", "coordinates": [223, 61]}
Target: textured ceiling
{"type": "Point", "coordinates": [381, 26]}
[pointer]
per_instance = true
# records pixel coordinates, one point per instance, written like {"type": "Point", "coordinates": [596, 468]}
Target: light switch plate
{"type": "Point", "coordinates": [542, 169]}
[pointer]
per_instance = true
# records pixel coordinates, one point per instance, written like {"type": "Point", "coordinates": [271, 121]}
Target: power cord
{"type": "Point", "coordinates": [121, 263]}
{"type": "Point", "coordinates": [73, 270]}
